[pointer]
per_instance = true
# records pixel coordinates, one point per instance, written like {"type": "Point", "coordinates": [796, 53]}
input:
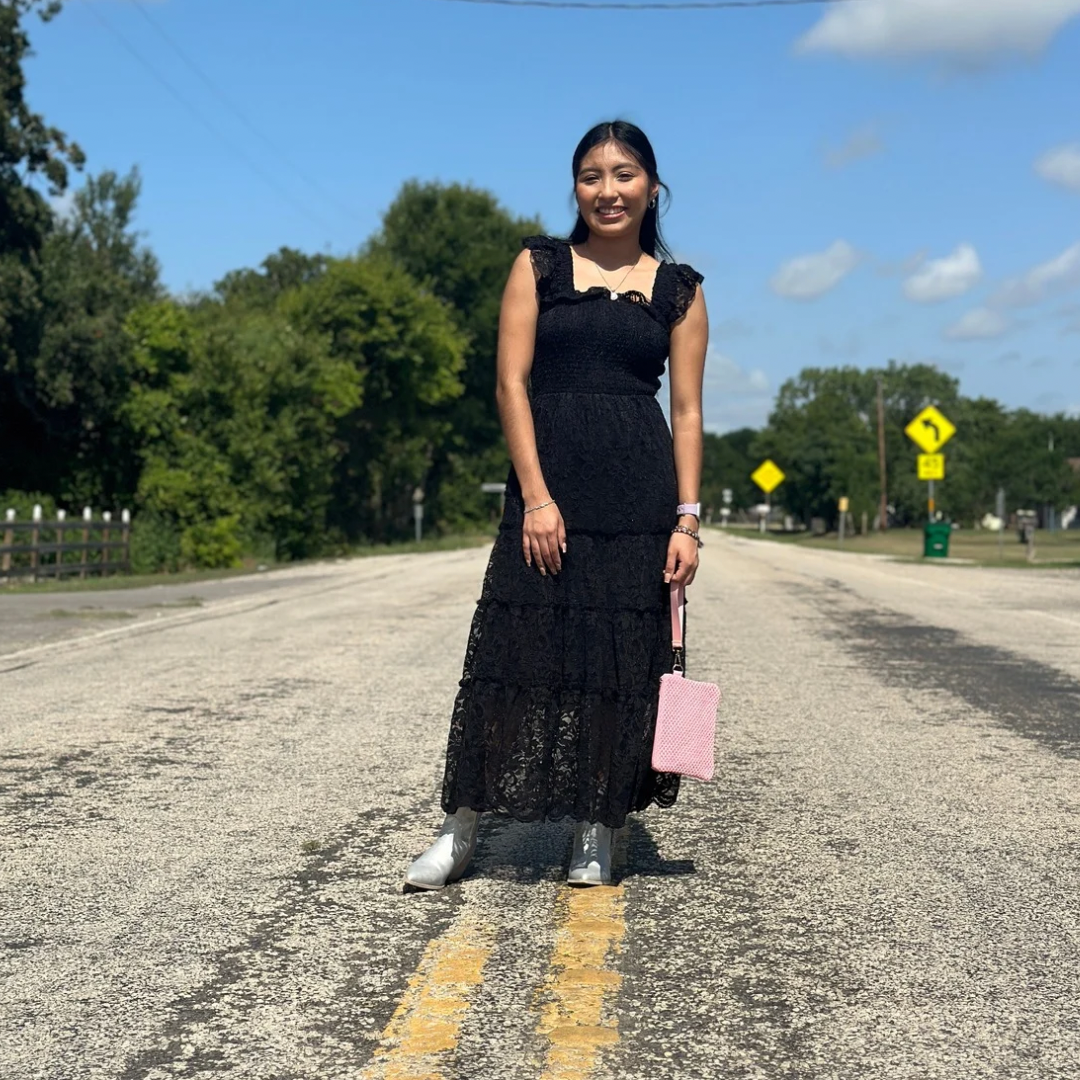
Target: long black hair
{"type": "Point", "coordinates": [634, 141]}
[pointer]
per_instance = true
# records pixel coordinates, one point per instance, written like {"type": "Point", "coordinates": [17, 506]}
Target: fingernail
{"type": "Point", "coordinates": [564, 549]}
{"type": "Point", "coordinates": [667, 577]}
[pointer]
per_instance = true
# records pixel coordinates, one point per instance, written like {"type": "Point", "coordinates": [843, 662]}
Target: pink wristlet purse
{"type": "Point", "coordinates": [686, 718]}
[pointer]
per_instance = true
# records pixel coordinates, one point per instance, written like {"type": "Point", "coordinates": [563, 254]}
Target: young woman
{"type": "Point", "coordinates": [557, 703]}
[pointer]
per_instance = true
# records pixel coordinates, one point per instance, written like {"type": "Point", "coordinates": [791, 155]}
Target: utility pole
{"type": "Point", "coordinates": [883, 514]}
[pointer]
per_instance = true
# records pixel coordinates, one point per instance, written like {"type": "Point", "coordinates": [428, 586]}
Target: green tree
{"type": "Point", "coordinates": [726, 463]}
{"type": "Point", "coordinates": [32, 155]}
{"type": "Point", "coordinates": [286, 269]}
{"type": "Point", "coordinates": [458, 242]}
{"type": "Point", "coordinates": [96, 272]}
{"type": "Point", "coordinates": [236, 413]}
{"type": "Point", "coordinates": [408, 355]}
{"type": "Point", "coordinates": [823, 433]}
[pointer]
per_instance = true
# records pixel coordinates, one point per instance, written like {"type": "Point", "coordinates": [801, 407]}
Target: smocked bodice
{"type": "Point", "coordinates": [588, 343]}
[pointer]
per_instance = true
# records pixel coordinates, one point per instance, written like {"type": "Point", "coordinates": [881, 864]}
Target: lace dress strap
{"type": "Point", "coordinates": [544, 252]}
{"type": "Point", "coordinates": [683, 281]}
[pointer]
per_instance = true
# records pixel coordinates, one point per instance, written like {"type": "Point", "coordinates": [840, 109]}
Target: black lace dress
{"type": "Point", "coordinates": [556, 708]}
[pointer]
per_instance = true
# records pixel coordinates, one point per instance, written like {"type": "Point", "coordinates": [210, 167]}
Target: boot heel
{"type": "Point", "coordinates": [590, 863]}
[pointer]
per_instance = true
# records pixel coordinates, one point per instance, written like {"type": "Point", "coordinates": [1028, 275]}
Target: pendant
{"type": "Point", "coordinates": [614, 294]}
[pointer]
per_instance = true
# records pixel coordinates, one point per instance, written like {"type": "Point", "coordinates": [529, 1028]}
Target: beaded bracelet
{"type": "Point", "coordinates": [689, 532]}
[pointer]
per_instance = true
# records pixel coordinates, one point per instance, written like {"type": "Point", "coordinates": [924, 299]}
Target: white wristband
{"type": "Point", "coordinates": [689, 508]}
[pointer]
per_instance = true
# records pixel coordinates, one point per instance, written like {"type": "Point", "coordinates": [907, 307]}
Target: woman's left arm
{"type": "Point", "coordinates": [689, 340]}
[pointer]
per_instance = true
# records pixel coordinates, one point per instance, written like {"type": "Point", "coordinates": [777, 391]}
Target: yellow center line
{"type": "Point", "coordinates": [575, 1017]}
{"type": "Point", "coordinates": [419, 1041]}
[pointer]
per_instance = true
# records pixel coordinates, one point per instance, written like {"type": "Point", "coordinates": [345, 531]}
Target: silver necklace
{"type": "Point", "coordinates": [614, 293]}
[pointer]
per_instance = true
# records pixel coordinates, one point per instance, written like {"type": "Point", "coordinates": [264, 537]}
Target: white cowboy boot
{"type": "Point", "coordinates": [591, 862]}
{"type": "Point", "coordinates": [447, 858]}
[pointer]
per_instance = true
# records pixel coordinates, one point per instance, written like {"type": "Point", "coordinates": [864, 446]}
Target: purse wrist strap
{"type": "Point", "coordinates": [678, 613]}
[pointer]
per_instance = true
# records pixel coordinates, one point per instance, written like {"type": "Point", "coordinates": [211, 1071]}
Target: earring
{"type": "Point", "coordinates": [652, 203]}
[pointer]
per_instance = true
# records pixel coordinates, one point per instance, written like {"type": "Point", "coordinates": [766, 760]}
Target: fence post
{"type": "Point", "coordinates": [61, 517]}
{"type": "Point", "coordinates": [105, 552]}
{"type": "Point", "coordinates": [125, 535]}
{"type": "Point", "coordinates": [87, 516]}
{"type": "Point", "coordinates": [9, 539]}
{"type": "Point", "coordinates": [35, 538]}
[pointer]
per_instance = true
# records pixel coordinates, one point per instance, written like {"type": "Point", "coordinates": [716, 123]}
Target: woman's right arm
{"type": "Point", "coordinates": [543, 532]}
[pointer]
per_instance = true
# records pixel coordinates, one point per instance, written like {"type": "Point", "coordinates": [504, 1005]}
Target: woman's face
{"type": "Point", "coordinates": [613, 191]}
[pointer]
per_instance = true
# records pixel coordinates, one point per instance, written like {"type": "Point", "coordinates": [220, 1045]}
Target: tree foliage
{"type": "Point", "coordinates": [33, 155]}
{"type": "Point", "coordinates": [823, 434]}
{"type": "Point", "coordinates": [457, 241]}
{"type": "Point", "coordinates": [408, 355]}
{"type": "Point", "coordinates": [96, 272]}
{"type": "Point", "coordinates": [297, 407]}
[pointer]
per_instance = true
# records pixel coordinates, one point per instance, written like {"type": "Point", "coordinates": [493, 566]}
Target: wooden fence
{"type": "Point", "coordinates": [39, 549]}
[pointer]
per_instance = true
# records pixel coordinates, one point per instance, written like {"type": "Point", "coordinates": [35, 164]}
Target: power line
{"type": "Point", "coordinates": [675, 5]}
{"type": "Point", "coordinates": [253, 165]}
{"type": "Point", "coordinates": [235, 110]}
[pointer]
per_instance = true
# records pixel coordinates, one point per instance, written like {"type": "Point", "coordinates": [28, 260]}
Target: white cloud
{"type": "Point", "coordinates": [862, 143]}
{"type": "Point", "coordinates": [732, 396]}
{"type": "Point", "coordinates": [1042, 281]}
{"type": "Point", "coordinates": [979, 324]}
{"type": "Point", "coordinates": [807, 277]}
{"type": "Point", "coordinates": [942, 279]}
{"type": "Point", "coordinates": [1061, 166]}
{"type": "Point", "coordinates": [969, 30]}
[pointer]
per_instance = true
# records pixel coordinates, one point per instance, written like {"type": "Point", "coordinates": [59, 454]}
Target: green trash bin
{"type": "Point", "coordinates": [936, 539]}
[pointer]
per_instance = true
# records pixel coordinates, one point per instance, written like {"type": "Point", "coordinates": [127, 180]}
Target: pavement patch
{"type": "Point", "coordinates": [1033, 700]}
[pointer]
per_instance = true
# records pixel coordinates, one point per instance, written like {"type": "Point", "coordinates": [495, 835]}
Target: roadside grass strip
{"type": "Point", "coordinates": [420, 1040]}
{"type": "Point", "coordinates": [575, 1016]}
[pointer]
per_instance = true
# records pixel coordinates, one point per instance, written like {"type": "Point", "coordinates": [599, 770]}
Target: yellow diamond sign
{"type": "Point", "coordinates": [930, 430]}
{"type": "Point", "coordinates": [768, 476]}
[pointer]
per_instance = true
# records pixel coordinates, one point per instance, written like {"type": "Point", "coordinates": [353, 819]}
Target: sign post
{"type": "Point", "coordinates": [999, 512]}
{"type": "Point", "coordinates": [930, 431]}
{"type": "Point", "coordinates": [418, 511]}
{"type": "Point", "coordinates": [843, 514]}
{"type": "Point", "coordinates": [768, 476]}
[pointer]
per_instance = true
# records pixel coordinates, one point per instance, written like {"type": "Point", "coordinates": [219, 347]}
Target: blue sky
{"type": "Point", "coordinates": [857, 181]}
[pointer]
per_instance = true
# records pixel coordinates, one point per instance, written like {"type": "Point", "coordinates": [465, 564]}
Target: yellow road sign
{"type": "Point", "coordinates": [768, 476]}
{"type": "Point", "coordinates": [930, 430]}
{"type": "Point", "coordinates": [844, 504]}
{"type": "Point", "coordinates": [931, 466]}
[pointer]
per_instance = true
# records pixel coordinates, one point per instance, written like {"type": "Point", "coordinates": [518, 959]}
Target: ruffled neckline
{"type": "Point", "coordinates": [635, 296]}
{"type": "Point", "coordinates": [673, 288]}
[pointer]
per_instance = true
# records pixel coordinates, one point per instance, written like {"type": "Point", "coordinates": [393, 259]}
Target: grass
{"type": "Point", "coordinates": [1052, 550]}
{"type": "Point", "coordinates": [250, 566]}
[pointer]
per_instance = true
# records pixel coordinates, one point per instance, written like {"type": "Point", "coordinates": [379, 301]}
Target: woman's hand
{"type": "Point", "coordinates": [543, 538]}
{"type": "Point", "coordinates": [682, 559]}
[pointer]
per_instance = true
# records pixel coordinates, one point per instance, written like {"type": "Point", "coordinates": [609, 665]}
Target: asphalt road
{"type": "Point", "coordinates": [208, 809]}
